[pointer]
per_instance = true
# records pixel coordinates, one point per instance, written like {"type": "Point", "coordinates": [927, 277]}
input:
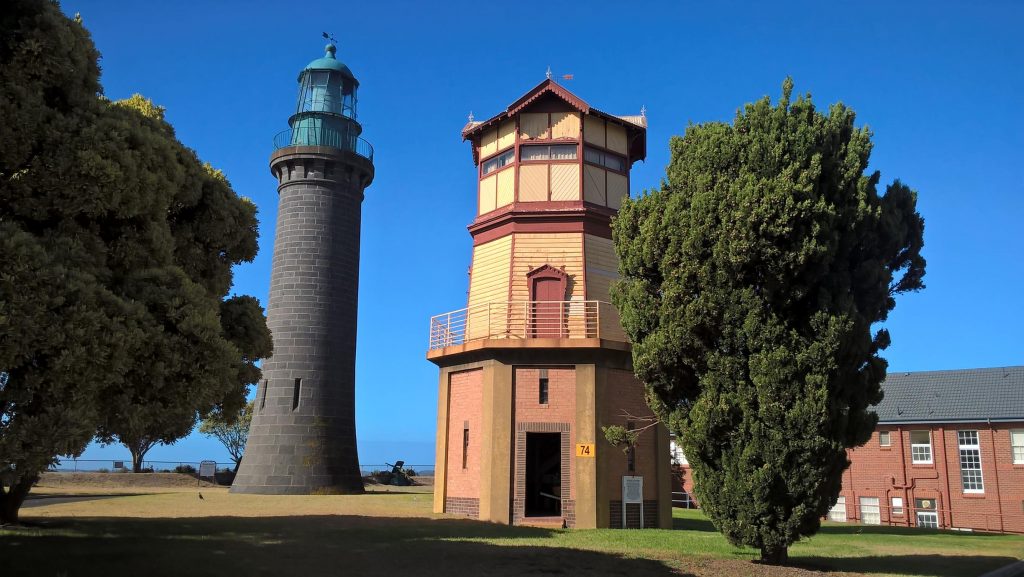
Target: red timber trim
{"type": "Point", "coordinates": [636, 135]}
{"type": "Point", "coordinates": [527, 217]}
{"type": "Point", "coordinates": [547, 271]}
{"type": "Point", "coordinates": [544, 87]}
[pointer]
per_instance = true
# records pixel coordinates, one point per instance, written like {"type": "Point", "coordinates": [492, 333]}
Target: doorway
{"type": "Point", "coordinates": [543, 474]}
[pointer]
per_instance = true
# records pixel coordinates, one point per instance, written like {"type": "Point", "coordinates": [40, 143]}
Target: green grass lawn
{"type": "Point", "coordinates": [394, 534]}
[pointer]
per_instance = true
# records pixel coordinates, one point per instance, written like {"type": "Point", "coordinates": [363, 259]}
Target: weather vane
{"type": "Point", "coordinates": [331, 38]}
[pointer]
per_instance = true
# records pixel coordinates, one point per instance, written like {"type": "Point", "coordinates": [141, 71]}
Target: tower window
{"type": "Point", "coordinates": [295, 393]}
{"type": "Point", "coordinates": [548, 152]}
{"type": "Point", "coordinates": [263, 397]}
{"type": "Point", "coordinates": [543, 388]}
{"type": "Point", "coordinates": [497, 162]}
{"type": "Point", "coordinates": [605, 159]}
{"type": "Point", "coordinates": [465, 445]}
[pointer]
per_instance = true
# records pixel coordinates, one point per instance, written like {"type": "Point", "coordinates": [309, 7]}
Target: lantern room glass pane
{"type": "Point", "coordinates": [324, 91]}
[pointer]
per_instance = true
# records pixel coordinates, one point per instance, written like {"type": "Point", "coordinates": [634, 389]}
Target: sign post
{"type": "Point", "coordinates": [632, 492]}
{"type": "Point", "coordinates": [207, 469]}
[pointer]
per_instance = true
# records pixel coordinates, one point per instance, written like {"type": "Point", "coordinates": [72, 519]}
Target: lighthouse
{"type": "Point", "coordinates": [303, 434]}
{"type": "Point", "coordinates": [537, 363]}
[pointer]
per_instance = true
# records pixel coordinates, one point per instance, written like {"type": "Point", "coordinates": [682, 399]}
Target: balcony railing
{"type": "Point", "coordinates": [323, 136]}
{"type": "Point", "coordinates": [526, 320]}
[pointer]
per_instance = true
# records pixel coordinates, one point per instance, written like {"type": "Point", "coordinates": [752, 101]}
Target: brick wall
{"type": "Point", "coordinates": [465, 405]}
{"type": "Point", "coordinates": [462, 506]}
{"type": "Point", "coordinates": [558, 415]}
{"type": "Point", "coordinates": [625, 394]}
{"type": "Point", "coordinates": [883, 472]}
{"type": "Point", "coordinates": [633, 515]}
{"type": "Point", "coordinates": [887, 472]}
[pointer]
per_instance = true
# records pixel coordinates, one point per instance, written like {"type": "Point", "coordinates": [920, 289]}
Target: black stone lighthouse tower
{"type": "Point", "coordinates": [303, 434]}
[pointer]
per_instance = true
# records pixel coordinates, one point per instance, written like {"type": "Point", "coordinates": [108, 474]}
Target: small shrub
{"type": "Point", "coordinates": [103, 470]}
{"type": "Point", "coordinates": [410, 472]}
{"type": "Point", "coordinates": [185, 470]}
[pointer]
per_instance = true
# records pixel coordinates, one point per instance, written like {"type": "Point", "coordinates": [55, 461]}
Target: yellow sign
{"type": "Point", "coordinates": [585, 450]}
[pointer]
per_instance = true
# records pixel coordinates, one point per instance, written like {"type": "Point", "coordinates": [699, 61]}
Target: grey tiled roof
{"type": "Point", "coordinates": [960, 395]}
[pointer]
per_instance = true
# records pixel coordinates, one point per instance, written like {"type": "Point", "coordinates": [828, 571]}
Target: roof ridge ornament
{"type": "Point", "coordinates": [332, 45]}
{"type": "Point", "coordinates": [548, 73]}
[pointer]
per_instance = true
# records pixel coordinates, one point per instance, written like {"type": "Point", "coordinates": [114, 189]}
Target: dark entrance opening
{"type": "Point", "coordinates": [543, 474]}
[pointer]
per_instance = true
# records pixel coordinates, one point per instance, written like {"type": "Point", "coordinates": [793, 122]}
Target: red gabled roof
{"type": "Point", "coordinates": [552, 87]}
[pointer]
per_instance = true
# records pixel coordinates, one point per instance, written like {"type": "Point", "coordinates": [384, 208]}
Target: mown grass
{"type": "Point", "coordinates": [394, 533]}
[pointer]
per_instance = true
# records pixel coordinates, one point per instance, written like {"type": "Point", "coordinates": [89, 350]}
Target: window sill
{"type": "Point", "coordinates": [973, 495]}
{"type": "Point", "coordinates": [923, 465]}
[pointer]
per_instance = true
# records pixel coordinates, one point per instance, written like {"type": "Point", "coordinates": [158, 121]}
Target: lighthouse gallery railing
{"type": "Point", "coordinates": [526, 320]}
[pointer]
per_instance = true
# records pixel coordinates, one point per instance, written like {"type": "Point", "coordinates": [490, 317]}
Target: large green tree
{"type": "Point", "coordinates": [752, 285]}
{"type": "Point", "coordinates": [116, 248]}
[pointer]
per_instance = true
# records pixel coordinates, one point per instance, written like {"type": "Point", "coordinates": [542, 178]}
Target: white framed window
{"type": "Point", "coordinates": [970, 462]}
{"type": "Point", "coordinates": [921, 447]}
{"type": "Point", "coordinates": [884, 439]}
{"type": "Point", "coordinates": [870, 511]}
{"type": "Point", "coordinates": [927, 516]}
{"type": "Point", "coordinates": [838, 511]}
{"type": "Point", "coordinates": [1017, 446]}
{"type": "Point", "coordinates": [897, 506]}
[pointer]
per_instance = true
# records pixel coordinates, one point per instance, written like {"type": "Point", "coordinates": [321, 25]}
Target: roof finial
{"type": "Point", "coordinates": [643, 111]}
{"type": "Point", "coordinates": [471, 116]}
{"type": "Point", "coordinates": [331, 48]}
{"type": "Point", "coordinates": [548, 73]}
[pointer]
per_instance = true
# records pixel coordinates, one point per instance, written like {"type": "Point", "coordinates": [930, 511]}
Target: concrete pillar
{"type": "Point", "coordinates": [496, 460]}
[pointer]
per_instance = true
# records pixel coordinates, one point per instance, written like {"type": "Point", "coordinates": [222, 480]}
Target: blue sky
{"type": "Point", "coordinates": [939, 83]}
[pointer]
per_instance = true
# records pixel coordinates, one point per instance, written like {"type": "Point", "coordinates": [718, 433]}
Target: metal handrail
{"type": "Point", "coordinates": [323, 136]}
{"type": "Point", "coordinates": [525, 320]}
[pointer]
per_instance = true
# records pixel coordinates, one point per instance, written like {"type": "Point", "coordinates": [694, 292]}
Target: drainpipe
{"type": "Point", "coordinates": [995, 469]}
{"type": "Point", "coordinates": [903, 462]}
{"type": "Point", "coordinates": [945, 468]}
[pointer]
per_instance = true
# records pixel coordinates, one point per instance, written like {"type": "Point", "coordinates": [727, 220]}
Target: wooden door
{"type": "Point", "coordinates": [548, 312]}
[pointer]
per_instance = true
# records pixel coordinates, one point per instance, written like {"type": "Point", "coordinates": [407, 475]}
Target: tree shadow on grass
{"type": "Point", "coordinates": [300, 545]}
{"type": "Point", "coordinates": [693, 524]}
{"type": "Point", "coordinates": [931, 565]}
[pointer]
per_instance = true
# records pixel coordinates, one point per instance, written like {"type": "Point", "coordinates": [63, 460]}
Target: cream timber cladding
{"type": "Point", "coordinates": [506, 187]}
{"type": "Point", "coordinates": [488, 193]}
{"type": "Point", "coordinates": [488, 283]}
{"type": "Point", "coordinates": [602, 270]}
{"type": "Point", "coordinates": [565, 125]}
{"type": "Point", "coordinates": [565, 182]}
{"type": "Point", "coordinates": [533, 183]}
{"type": "Point", "coordinates": [558, 249]}
{"type": "Point", "coordinates": [543, 182]}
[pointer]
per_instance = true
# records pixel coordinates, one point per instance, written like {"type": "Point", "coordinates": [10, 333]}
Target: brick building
{"type": "Point", "coordinates": [537, 362]}
{"type": "Point", "coordinates": [948, 453]}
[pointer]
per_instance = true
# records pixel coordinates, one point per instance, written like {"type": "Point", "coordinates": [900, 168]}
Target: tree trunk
{"type": "Point", "coordinates": [238, 463]}
{"type": "Point", "coordinates": [775, 555]}
{"type": "Point", "coordinates": [12, 499]}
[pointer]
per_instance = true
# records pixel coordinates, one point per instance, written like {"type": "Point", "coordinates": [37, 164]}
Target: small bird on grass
{"type": "Point", "coordinates": [201, 497]}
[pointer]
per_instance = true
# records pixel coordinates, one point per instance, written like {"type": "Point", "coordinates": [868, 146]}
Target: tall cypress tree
{"type": "Point", "coordinates": [752, 283]}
